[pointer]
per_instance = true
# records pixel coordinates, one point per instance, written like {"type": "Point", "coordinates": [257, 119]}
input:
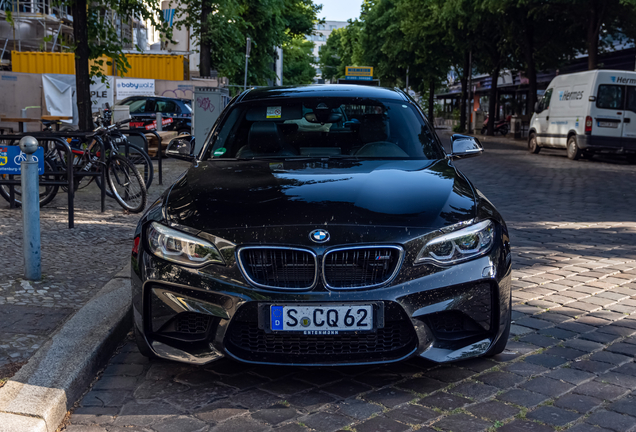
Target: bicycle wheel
{"type": "Point", "coordinates": [142, 162]}
{"type": "Point", "coordinates": [47, 193]}
{"type": "Point", "coordinates": [126, 184]}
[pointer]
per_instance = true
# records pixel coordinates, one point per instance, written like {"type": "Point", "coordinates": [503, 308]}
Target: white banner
{"type": "Point", "coordinates": [102, 92]}
{"type": "Point", "coordinates": [134, 87]}
{"type": "Point", "coordinates": [59, 95]}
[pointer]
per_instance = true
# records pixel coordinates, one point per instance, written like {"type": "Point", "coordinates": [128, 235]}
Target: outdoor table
{"type": "Point", "coordinates": [20, 121]}
{"type": "Point", "coordinates": [56, 119]}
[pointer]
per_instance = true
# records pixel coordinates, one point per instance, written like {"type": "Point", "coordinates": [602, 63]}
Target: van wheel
{"type": "Point", "coordinates": [533, 145]}
{"type": "Point", "coordinates": [574, 152]}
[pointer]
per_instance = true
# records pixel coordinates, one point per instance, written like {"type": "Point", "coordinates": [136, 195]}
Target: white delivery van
{"type": "Point", "coordinates": [585, 113]}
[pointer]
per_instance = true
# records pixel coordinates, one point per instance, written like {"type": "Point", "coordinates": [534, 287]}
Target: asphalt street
{"type": "Point", "coordinates": [569, 363]}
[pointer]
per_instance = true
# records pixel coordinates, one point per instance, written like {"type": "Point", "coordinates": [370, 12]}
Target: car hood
{"type": "Point", "coordinates": [215, 195]}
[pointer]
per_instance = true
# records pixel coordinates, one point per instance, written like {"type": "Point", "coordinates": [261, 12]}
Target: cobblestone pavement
{"type": "Point", "coordinates": [76, 263]}
{"type": "Point", "coordinates": [569, 362]}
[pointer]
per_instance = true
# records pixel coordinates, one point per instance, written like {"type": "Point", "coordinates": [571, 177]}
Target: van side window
{"type": "Point", "coordinates": [630, 99]}
{"type": "Point", "coordinates": [545, 102]}
{"type": "Point", "coordinates": [610, 96]}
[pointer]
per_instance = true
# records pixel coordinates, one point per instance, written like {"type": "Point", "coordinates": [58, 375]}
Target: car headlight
{"type": "Point", "coordinates": [181, 248]}
{"type": "Point", "coordinates": [462, 245]}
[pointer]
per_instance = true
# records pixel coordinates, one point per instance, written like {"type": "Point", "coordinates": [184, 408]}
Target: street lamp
{"type": "Point", "coordinates": [248, 48]}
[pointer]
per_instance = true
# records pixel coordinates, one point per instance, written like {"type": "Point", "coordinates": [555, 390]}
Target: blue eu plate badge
{"type": "Point", "coordinates": [277, 317]}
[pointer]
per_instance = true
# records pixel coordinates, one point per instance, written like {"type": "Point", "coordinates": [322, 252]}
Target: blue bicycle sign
{"type": "Point", "coordinates": [11, 158]}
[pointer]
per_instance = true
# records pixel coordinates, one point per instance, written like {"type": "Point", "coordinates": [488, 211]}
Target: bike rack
{"type": "Point", "coordinates": [60, 145]}
{"type": "Point", "coordinates": [158, 151]}
{"type": "Point", "coordinates": [139, 136]}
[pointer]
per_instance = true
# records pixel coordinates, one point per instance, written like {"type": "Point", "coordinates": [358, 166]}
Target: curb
{"type": "Point", "coordinates": [38, 397]}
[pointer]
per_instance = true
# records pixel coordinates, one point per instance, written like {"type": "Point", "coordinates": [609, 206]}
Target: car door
{"type": "Point", "coordinates": [607, 115]}
{"type": "Point", "coordinates": [629, 117]}
{"type": "Point", "coordinates": [543, 117]}
{"type": "Point", "coordinates": [169, 110]}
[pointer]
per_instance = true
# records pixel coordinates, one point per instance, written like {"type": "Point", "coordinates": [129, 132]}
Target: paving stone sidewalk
{"type": "Point", "coordinates": [569, 362]}
{"type": "Point", "coordinates": [76, 263]}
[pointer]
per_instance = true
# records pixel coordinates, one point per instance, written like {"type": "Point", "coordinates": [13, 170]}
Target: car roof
{"type": "Point", "coordinates": [322, 90]}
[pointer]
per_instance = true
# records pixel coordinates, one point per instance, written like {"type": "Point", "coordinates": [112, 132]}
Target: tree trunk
{"type": "Point", "coordinates": [492, 100]}
{"type": "Point", "coordinates": [431, 101]}
{"type": "Point", "coordinates": [464, 81]}
{"type": "Point", "coordinates": [82, 73]}
{"type": "Point", "coordinates": [205, 59]}
{"type": "Point", "coordinates": [531, 67]}
{"type": "Point", "coordinates": [597, 13]}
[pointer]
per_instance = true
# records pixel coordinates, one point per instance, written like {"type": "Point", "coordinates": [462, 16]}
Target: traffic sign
{"type": "Point", "coordinates": [359, 71]}
{"type": "Point", "coordinates": [11, 158]}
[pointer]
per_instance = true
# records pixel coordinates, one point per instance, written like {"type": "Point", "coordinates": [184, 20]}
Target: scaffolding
{"type": "Point", "coordinates": [45, 26]}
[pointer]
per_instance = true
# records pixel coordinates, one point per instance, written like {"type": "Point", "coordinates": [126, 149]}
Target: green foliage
{"type": "Point", "coordinates": [337, 53]}
{"type": "Point", "coordinates": [103, 36]}
{"type": "Point", "coordinates": [297, 61]}
{"type": "Point", "coordinates": [269, 23]}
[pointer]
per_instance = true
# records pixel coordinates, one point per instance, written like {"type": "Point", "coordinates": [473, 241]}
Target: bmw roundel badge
{"type": "Point", "coordinates": [319, 236]}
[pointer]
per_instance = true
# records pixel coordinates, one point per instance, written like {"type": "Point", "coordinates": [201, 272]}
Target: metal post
{"type": "Point", "coordinates": [470, 92]}
{"type": "Point", "coordinates": [248, 48]}
{"type": "Point", "coordinates": [159, 129]}
{"type": "Point", "coordinates": [30, 210]}
{"type": "Point", "coordinates": [23, 114]}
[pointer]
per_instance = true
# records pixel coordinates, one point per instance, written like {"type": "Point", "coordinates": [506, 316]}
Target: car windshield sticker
{"type": "Point", "coordinates": [273, 112]}
{"type": "Point", "coordinates": [220, 152]}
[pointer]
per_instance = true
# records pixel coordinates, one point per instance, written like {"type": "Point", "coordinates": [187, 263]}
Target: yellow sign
{"type": "Point", "coordinates": [359, 71]}
{"type": "Point", "coordinates": [3, 160]}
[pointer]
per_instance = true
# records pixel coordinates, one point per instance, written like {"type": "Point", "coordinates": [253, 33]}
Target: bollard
{"type": "Point", "coordinates": [30, 210]}
{"type": "Point", "coordinates": [159, 122]}
{"type": "Point", "coordinates": [159, 144]}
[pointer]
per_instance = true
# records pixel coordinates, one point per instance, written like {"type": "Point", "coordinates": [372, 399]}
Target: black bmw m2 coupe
{"type": "Point", "coordinates": [322, 225]}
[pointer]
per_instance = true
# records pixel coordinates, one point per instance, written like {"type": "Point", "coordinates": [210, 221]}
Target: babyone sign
{"type": "Point", "coordinates": [134, 87]}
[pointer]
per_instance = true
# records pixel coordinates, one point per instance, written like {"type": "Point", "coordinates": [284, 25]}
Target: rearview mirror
{"type": "Point", "coordinates": [331, 118]}
{"type": "Point", "coordinates": [464, 146]}
{"type": "Point", "coordinates": [537, 107]}
{"type": "Point", "coordinates": [181, 148]}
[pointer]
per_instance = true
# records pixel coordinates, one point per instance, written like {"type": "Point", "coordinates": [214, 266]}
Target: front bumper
{"type": "Point", "coordinates": [196, 317]}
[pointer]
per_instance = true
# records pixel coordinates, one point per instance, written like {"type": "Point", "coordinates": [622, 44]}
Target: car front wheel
{"type": "Point", "coordinates": [533, 145]}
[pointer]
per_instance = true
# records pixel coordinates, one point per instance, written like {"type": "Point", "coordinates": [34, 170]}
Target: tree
{"type": "Point", "coordinates": [96, 35]}
{"type": "Point", "coordinates": [330, 56]}
{"type": "Point", "coordinates": [297, 61]}
{"type": "Point", "coordinates": [221, 28]}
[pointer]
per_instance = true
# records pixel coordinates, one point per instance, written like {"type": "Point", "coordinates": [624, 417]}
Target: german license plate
{"type": "Point", "coordinates": [321, 319]}
{"type": "Point", "coordinates": [608, 124]}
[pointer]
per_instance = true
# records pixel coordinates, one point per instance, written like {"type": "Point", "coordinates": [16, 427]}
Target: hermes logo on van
{"type": "Point", "coordinates": [566, 95]}
{"type": "Point", "coordinates": [623, 80]}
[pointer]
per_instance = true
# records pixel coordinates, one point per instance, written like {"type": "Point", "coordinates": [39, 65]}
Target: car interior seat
{"type": "Point", "coordinates": [264, 140]}
{"type": "Point", "coordinates": [374, 134]}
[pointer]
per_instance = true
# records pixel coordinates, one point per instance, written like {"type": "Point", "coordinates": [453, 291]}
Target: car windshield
{"type": "Point", "coordinates": [333, 128]}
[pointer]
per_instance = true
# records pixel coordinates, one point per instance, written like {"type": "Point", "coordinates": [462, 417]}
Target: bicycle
{"type": "Point", "coordinates": [126, 184]}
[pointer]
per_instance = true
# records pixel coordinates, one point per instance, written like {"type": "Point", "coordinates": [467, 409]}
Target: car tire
{"type": "Point", "coordinates": [574, 152]}
{"type": "Point", "coordinates": [142, 345]}
{"type": "Point", "coordinates": [533, 145]}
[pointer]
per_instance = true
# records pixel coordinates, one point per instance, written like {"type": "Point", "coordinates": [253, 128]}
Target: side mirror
{"type": "Point", "coordinates": [464, 146]}
{"type": "Point", "coordinates": [537, 107]}
{"type": "Point", "coordinates": [181, 148]}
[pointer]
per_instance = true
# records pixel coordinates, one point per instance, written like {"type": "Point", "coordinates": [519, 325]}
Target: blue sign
{"type": "Point", "coordinates": [359, 78]}
{"type": "Point", "coordinates": [11, 158]}
{"type": "Point", "coordinates": [277, 317]}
